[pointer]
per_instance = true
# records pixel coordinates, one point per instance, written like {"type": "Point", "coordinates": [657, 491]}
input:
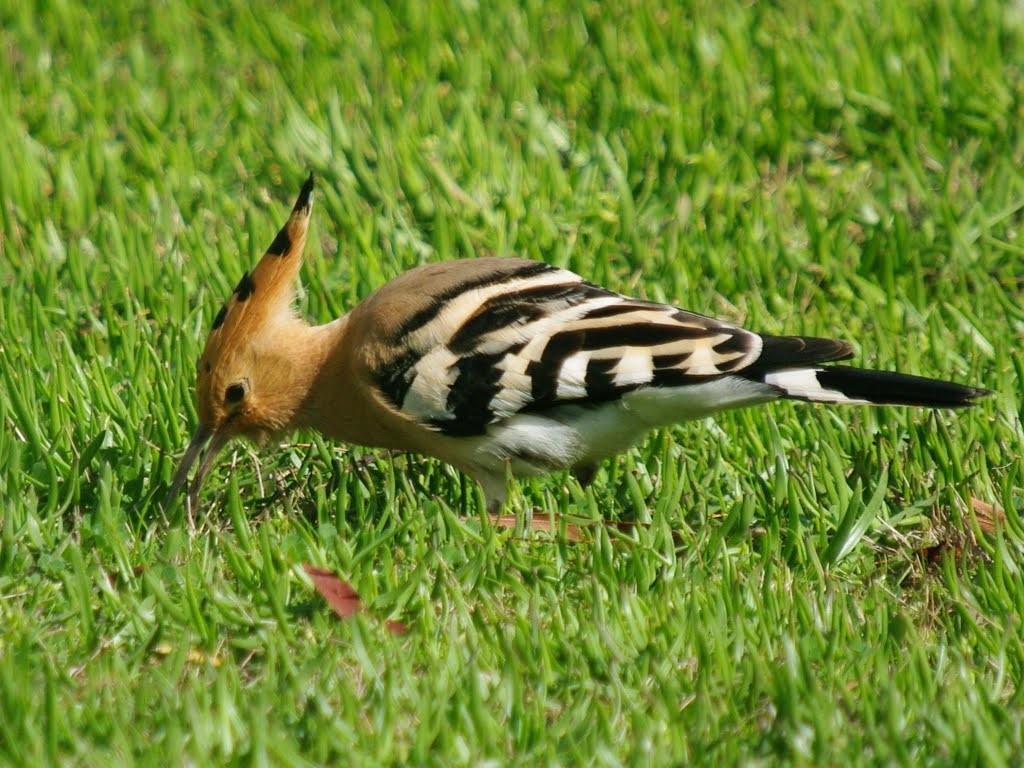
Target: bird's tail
{"type": "Point", "coordinates": [790, 364]}
{"type": "Point", "coordinates": [841, 384]}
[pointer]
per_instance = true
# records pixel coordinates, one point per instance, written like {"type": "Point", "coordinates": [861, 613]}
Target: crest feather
{"type": "Point", "coordinates": [270, 288]}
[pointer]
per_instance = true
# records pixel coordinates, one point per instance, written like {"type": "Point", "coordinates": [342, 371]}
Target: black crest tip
{"type": "Point", "coordinates": [305, 201]}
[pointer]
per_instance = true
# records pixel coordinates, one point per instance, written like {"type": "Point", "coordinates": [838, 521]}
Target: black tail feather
{"type": "Point", "coordinates": [796, 351]}
{"type": "Point", "coordinates": [884, 387]}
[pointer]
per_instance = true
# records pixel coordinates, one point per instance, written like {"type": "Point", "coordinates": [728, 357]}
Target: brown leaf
{"type": "Point", "coordinates": [396, 627]}
{"type": "Point", "coordinates": [988, 516]}
{"type": "Point", "coordinates": [114, 578]}
{"type": "Point", "coordinates": [573, 531]}
{"type": "Point", "coordinates": [540, 523]}
{"type": "Point", "coordinates": [953, 540]}
{"type": "Point", "coordinates": [339, 594]}
{"type": "Point", "coordinates": [342, 596]}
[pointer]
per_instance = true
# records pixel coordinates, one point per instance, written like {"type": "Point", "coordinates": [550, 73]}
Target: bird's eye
{"type": "Point", "coordinates": [234, 393]}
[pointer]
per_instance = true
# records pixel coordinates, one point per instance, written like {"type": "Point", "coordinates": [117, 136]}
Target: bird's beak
{"type": "Point", "coordinates": [203, 436]}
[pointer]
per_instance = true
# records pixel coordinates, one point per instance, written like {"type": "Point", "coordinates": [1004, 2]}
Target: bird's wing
{"type": "Point", "coordinates": [514, 336]}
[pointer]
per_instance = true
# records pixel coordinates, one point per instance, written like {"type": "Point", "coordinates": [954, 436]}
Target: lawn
{"type": "Point", "coordinates": [794, 584]}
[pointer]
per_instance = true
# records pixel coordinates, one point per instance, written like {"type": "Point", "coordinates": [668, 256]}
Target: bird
{"type": "Point", "coordinates": [500, 366]}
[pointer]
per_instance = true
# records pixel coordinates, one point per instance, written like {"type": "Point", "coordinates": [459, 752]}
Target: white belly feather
{"type": "Point", "coordinates": [573, 435]}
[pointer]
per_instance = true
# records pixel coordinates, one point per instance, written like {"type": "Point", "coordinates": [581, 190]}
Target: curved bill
{"type": "Point", "coordinates": [203, 435]}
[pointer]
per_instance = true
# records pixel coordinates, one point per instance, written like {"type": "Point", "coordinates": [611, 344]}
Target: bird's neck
{"type": "Point", "coordinates": [334, 396]}
{"type": "Point", "coordinates": [333, 401]}
{"type": "Point", "coordinates": [311, 352]}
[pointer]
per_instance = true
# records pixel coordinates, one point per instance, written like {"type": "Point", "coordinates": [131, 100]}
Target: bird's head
{"type": "Point", "coordinates": [245, 380]}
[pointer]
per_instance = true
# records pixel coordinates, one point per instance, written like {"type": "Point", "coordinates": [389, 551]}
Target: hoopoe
{"type": "Point", "coordinates": [498, 366]}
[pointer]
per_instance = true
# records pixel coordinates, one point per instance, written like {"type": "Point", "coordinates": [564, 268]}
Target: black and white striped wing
{"type": "Point", "coordinates": [531, 338]}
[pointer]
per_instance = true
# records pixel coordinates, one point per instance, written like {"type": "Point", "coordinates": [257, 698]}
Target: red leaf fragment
{"type": "Point", "coordinates": [339, 594]}
{"type": "Point", "coordinates": [396, 627]}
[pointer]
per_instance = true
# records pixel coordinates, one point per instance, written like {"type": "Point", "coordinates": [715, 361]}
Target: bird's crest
{"type": "Point", "coordinates": [268, 291]}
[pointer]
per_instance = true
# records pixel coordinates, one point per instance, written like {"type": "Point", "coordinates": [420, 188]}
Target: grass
{"type": "Point", "coordinates": [811, 586]}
